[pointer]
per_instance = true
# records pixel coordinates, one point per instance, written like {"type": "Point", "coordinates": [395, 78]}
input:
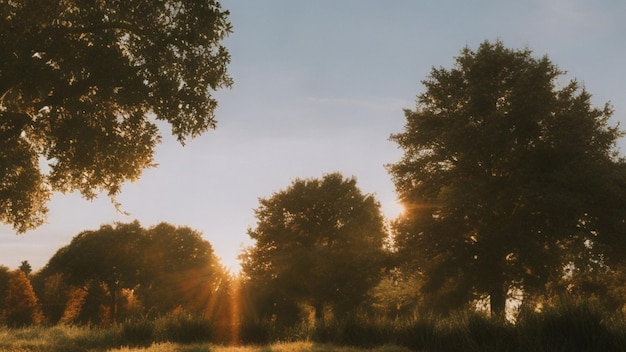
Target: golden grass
{"type": "Point", "coordinates": [58, 338]}
{"type": "Point", "coordinates": [277, 347]}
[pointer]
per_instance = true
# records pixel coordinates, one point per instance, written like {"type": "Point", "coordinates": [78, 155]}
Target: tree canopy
{"type": "Point", "coordinates": [319, 242]}
{"type": "Point", "coordinates": [505, 171]}
{"type": "Point", "coordinates": [164, 266]}
{"type": "Point", "coordinates": [82, 84]}
{"type": "Point", "coordinates": [21, 306]}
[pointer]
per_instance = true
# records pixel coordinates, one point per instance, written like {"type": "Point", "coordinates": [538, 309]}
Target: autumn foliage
{"type": "Point", "coordinates": [21, 306]}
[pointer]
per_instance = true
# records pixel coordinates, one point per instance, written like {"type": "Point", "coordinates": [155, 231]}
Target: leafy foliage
{"type": "Point", "coordinates": [5, 274]}
{"type": "Point", "coordinates": [81, 83]}
{"type": "Point", "coordinates": [161, 268]}
{"type": "Point", "coordinates": [503, 175]}
{"type": "Point", "coordinates": [21, 306]}
{"type": "Point", "coordinates": [180, 270]}
{"type": "Point", "coordinates": [318, 242]}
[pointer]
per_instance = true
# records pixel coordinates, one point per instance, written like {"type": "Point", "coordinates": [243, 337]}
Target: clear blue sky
{"type": "Point", "coordinates": [319, 87]}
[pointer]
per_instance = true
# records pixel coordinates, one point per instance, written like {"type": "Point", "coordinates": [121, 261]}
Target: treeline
{"type": "Point", "coordinates": [119, 272]}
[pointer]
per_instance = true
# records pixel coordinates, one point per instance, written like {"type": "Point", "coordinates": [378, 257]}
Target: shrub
{"type": "Point", "coordinates": [356, 331]}
{"type": "Point", "coordinates": [137, 332]}
{"type": "Point", "coordinates": [187, 328]}
{"type": "Point", "coordinates": [570, 325]}
{"type": "Point", "coordinates": [257, 332]}
{"type": "Point", "coordinates": [417, 334]}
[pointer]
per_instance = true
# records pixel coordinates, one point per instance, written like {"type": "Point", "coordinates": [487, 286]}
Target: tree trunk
{"type": "Point", "coordinates": [114, 305]}
{"type": "Point", "coordinates": [319, 311]}
{"type": "Point", "coordinates": [497, 300]}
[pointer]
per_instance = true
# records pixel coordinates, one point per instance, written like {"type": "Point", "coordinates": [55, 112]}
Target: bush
{"type": "Point", "coordinates": [574, 325]}
{"type": "Point", "coordinates": [417, 334]}
{"type": "Point", "coordinates": [187, 328]}
{"type": "Point", "coordinates": [137, 332]}
{"type": "Point", "coordinates": [359, 332]}
{"type": "Point", "coordinates": [257, 332]}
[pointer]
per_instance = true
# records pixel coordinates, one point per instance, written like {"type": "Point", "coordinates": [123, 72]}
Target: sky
{"type": "Point", "coordinates": [319, 87]}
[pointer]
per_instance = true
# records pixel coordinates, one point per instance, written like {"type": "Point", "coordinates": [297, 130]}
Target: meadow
{"type": "Point", "coordinates": [580, 327]}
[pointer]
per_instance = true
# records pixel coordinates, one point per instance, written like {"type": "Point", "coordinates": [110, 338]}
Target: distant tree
{"type": "Point", "coordinates": [504, 173]}
{"type": "Point", "coordinates": [109, 257]}
{"type": "Point", "coordinates": [180, 269]}
{"type": "Point", "coordinates": [21, 306]}
{"type": "Point", "coordinates": [60, 301]}
{"type": "Point", "coordinates": [395, 296]}
{"type": "Point", "coordinates": [25, 267]}
{"type": "Point", "coordinates": [52, 296]}
{"type": "Point", "coordinates": [81, 84]}
{"type": "Point", "coordinates": [164, 266]}
{"type": "Point", "coordinates": [4, 284]}
{"type": "Point", "coordinates": [318, 242]}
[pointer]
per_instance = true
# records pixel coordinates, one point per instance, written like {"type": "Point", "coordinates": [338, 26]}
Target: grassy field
{"type": "Point", "coordinates": [277, 347]}
{"type": "Point", "coordinates": [579, 327]}
{"type": "Point", "coordinates": [75, 339]}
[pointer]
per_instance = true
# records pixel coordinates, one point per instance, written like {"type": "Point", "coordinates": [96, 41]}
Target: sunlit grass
{"type": "Point", "coordinates": [277, 347]}
{"type": "Point", "coordinates": [57, 338]}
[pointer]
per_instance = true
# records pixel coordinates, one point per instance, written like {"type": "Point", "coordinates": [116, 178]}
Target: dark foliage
{"type": "Point", "coordinates": [318, 243]}
{"type": "Point", "coordinates": [506, 178]}
{"type": "Point", "coordinates": [81, 83]}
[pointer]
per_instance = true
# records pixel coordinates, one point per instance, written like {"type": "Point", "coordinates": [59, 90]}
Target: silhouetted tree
{"type": "Point", "coordinates": [25, 267]}
{"type": "Point", "coordinates": [165, 267]}
{"type": "Point", "coordinates": [4, 284]}
{"type": "Point", "coordinates": [81, 84]}
{"type": "Point", "coordinates": [180, 269]}
{"type": "Point", "coordinates": [53, 296]}
{"type": "Point", "coordinates": [318, 242]}
{"type": "Point", "coordinates": [109, 257]}
{"type": "Point", "coordinates": [504, 173]}
{"type": "Point", "coordinates": [21, 306]}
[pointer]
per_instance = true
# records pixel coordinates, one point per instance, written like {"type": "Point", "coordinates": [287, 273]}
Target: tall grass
{"type": "Point", "coordinates": [57, 339]}
{"type": "Point", "coordinates": [575, 326]}
{"type": "Point", "coordinates": [579, 326]}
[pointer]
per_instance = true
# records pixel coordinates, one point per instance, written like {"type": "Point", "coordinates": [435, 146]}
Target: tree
{"type": "Point", "coordinates": [21, 306]}
{"type": "Point", "coordinates": [26, 267]}
{"type": "Point", "coordinates": [5, 274]}
{"type": "Point", "coordinates": [103, 262]}
{"type": "Point", "coordinates": [504, 173]}
{"type": "Point", "coordinates": [164, 266]}
{"type": "Point", "coordinates": [180, 269]}
{"type": "Point", "coordinates": [81, 84]}
{"type": "Point", "coordinates": [318, 242]}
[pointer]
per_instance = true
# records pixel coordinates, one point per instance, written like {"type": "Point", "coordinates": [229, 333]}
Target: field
{"type": "Point", "coordinates": [75, 339]}
{"type": "Point", "coordinates": [570, 328]}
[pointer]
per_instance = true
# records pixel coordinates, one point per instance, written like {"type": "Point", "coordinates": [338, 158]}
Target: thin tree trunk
{"type": "Point", "coordinates": [319, 311]}
{"type": "Point", "coordinates": [497, 300]}
{"type": "Point", "coordinates": [114, 305]}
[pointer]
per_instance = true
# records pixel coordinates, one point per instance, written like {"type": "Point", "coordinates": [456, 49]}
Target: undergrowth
{"type": "Point", "coordinates": [572, 327]}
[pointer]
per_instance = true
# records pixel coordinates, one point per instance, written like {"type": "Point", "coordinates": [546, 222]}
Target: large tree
{"type": "Point", "coordinates": [82, 84]}
{"type": "Point", "coordinates": [507, 168]}
{"type": "Point", "coordinates": [318, 242]}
